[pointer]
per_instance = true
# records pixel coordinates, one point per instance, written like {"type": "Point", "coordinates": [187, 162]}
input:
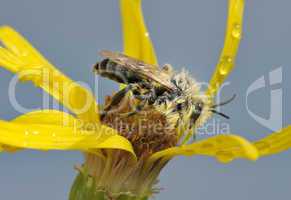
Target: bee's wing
{"type": "Point", "coordinates": [147, 71]}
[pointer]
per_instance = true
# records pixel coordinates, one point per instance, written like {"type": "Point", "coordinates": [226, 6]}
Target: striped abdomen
{"type": "Point", "coordinates": [116, 72]}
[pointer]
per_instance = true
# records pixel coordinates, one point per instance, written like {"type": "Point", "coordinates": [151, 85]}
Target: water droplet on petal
{"type": "Point", "coordinates": [236, 31]}
{"type": "Point", "coordinates": [35, 132]}
{"type": "Point", "coordinates": [147, 34]}
{"type": "Point", "coordinates": [23, 53]}
{"type": "Point", "coordinates": [225, 65]}
{"type": "Point", "coordinates": [222, 71]}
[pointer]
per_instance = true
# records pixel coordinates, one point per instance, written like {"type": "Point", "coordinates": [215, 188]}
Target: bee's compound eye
{"type": "Point", "coordinates": [179, 106]}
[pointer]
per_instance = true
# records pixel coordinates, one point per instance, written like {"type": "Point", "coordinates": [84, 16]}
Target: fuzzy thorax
{"type": "Point", "coordinates": [190, 97]}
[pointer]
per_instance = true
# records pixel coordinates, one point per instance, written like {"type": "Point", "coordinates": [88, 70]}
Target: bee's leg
{"type": "Point", "coordinates": [140, 97]}
{"type": "Point", "coordinates": [153, 96]}
{"type": "Point", "coordinates": [136, 94]}
{"type": "Point", "coordinates": [116, 99]}
{"type": "Point", "coordinates": [136, 110]}
{"type": "Point", "coordinates": [146, 85]}
{"type": "Point", "coordinates": [147, 99]}
{"type": "Point", "coordinates": [141, 94]}
{"type": "Point", "coordinates": [150, 97]}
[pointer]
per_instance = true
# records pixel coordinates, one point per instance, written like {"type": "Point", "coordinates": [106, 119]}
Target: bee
{"type": "Point", "coordinates": [175, 94]}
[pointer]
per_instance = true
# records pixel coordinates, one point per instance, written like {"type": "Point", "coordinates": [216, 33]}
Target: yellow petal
{"type": "Point", "coordinates": [224, 147]}
{"type": "Point", "coordinates": [51, 137]}
{"type": "Point", "coordinates": [49, 117]}
{"type": "Point", "coordinates": [117, 142]}
{"type": "Point", "coordinates": [275, 143]}
{"type": "Point", "coordinates": [232, 40]}
{"type": "Point", "coordinates": [22, 58]}
{"type": "Point", "coordinates": [137, 42]}
{"type": "Point", "coordinates": [58, 131]}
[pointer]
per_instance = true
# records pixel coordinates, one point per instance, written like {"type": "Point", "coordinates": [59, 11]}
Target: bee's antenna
{"type": "Point", "coordinates": [225, 102]}
{"type": "Point", "coordinates": [221, 114]}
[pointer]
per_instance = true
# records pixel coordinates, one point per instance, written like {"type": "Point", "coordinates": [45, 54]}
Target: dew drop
{"type": "Point", "coordinates": [225, 65]}
{"type": "Point", "coordinates": [23, 53]}
{"type": "Point", "coordinates": [35, 132]}
{"type": "Point", "coordinates": [236, 31]}
{"type": "Point", "coordinates": [222, 71]}
{"type": "Point", "coordinates": [147, 34]}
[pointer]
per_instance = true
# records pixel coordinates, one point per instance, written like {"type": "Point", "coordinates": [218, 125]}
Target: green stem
{"type": "Point", "coordinates": [84, 188]}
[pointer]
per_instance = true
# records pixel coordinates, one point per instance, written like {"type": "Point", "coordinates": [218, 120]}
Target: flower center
{"type": "Point", "coordinates": [147, 130]}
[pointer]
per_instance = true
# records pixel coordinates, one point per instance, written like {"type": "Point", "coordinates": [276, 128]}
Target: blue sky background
{"type": "Point", "coordinates": [186, 33]}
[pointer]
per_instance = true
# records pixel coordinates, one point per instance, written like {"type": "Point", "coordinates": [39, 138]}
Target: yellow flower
{"type": "Point", "coordinates": [56, 130]}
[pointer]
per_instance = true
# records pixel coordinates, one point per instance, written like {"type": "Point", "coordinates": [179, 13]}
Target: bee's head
{"type": "Point", "coordinates": [202, 109]}
{"type": "Point", "coordinates": [199, 107]}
